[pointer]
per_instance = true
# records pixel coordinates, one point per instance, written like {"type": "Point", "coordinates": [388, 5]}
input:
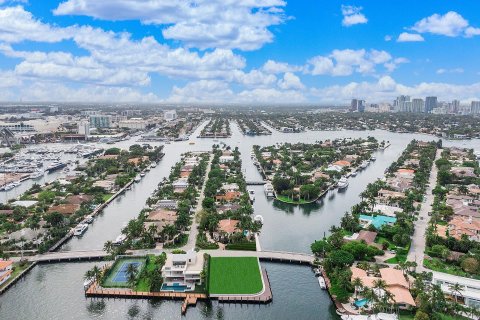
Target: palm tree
{"type": "Point", "coordinates": [96, 273]}
{"type": "Point", "coordinates": [108, 247]}
{"type": "Point", "coordinates": [358, 285]}
{"type": "Point", "coordinates": [132, 276]}
{"type": "Point", "coordinates": [455, 289]}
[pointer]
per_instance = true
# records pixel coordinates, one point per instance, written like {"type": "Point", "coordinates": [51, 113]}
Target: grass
{"type": "Point", "coordinates": [108, 280]}
{"type": "Point", "coordinates": [234, 276]}
{"type": "Point", "coordinates": [288, 200]}
{"type": "Point", "coordinates": [245, 246]}
{"type": "Point", "coordinates": [436, 264]}
{"type": "Point", "coordinates": [441, 316]}
{"type": "Point", "coordinates": [143, 284]}
{"type": "Point", "coordinates": [106, 197]}
{"type": "Point", "coordinates": [17, 269]}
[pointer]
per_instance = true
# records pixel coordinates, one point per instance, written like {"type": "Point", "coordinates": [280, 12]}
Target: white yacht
{"type": "Point", "coordinates": [354, 173]}
{"type": "Point", "coordinates": [251, 195]}
{"type": "Point", "coordinates": [373, 158]}
{"type": "Point", "coordinates": [87, 283]}
{"type": "Point", "coordinates": [153, 165]}
{"type": "Point", "coordinates": [269, 191]}
{"type": "Point", "coordinates": [364, 164]}
{"type": "Point", "coordinates": [142, 174]}
{"type": "Point", "coordinates": [88, 219]}
{"type": "Point", "coordinates": [80, 229]}
{"type": "Point", "coordinates": [119, 240]}
{"type": "Point", "coordinates": [37, 174]}
{"type": "Point", "coordinates": [138, 178]}
{"type": "Point", "coordinates": [342, 183]}
{"type": "Point", "coordinates": [322, 283]}
{"type": "Point", "coordinates": [7, 187]}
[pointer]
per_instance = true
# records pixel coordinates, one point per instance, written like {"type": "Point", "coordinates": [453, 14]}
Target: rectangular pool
{"type": "Point", "coordinates": [176, 287]}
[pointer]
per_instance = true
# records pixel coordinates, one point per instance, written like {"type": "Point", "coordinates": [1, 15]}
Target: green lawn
{"type": "Point", "coordinates": [234, 276]}
{"type": "Point", "coordinates": [436, 264]}
{"type": "Point", "coordinates": [17, 269]}
{"type": "Point", "coordinates": [288, 200]}
{"type": "Point", "coordinates": [106, 197]}
{"type": "Point", "coordinates": [143, 283]}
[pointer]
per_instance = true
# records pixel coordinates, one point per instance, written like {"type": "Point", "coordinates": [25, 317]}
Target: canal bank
{"type": "Point", "coordinates": [57, 289]}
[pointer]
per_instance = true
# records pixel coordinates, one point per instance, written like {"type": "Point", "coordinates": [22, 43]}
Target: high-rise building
{"type": "Point", "coordinates": [400, 104]}
{"type": "Point", "coordinates": [455, 106]}
{"type": "Point", "coordinates": [418, 106]}
{"type": "Point", "coordinates": [430, 104]}
{"type": "Point", "coordinates": [475, 107]}
{"type": "Point", "coordinates": [100, 121]}
{"type": "Point", "coordinates": [357, 105]}
{"type": "Point", "coordinates": [170, 115]}
{"type": "Point", "coordinates": [84, 128]}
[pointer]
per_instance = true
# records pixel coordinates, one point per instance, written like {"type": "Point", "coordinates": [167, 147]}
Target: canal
{"type": "Point", "coordinates": [55, 291]}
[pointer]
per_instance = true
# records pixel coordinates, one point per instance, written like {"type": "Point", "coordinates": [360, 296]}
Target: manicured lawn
{"type": "Point", "coordinates": [106, 197]}
{"type": "Point", "coordinates": [143, 284]}
{"type": "Point", "coordinates": [234, 276]}
{"type": "Point", "coordinates": [288, 200]}
{"type": "Point", "coordinates": [17, 269]}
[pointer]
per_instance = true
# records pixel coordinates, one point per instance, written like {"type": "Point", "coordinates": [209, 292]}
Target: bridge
{"type": "Point", "coordinates": [88, 255]}
{"type": "Point", "coordinates": [255, 183]}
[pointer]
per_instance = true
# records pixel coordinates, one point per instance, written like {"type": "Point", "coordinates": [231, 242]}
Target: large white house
{"type": "Point", "coordinates": [182, 271]}
{"type": "Point", "coordinates": [470, 292]}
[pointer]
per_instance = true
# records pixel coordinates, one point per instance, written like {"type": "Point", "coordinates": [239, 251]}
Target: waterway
{"type": "Point", "coordinates": [55, 291]}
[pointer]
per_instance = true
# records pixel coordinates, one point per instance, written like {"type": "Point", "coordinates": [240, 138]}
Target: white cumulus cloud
{"type": "Point", "coordinates": [451, 24]}
{"type": "Point", "coordinates": [352, 16]}
{"type": "Point", "coordinates": [410, 37]}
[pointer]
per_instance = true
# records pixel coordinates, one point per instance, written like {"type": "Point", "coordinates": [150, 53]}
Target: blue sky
{"type": "Point", "coordinates": [245, 51]}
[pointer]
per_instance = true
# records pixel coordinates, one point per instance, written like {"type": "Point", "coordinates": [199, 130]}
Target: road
{"type": "Point", "coordinates": [417, 247]}
{"type": "Point", "coordinates": [192, 235]}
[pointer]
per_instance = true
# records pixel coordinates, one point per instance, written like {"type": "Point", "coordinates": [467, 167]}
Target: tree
{"type": "Point", "coordinates": [358, 285]}
{"type": "Point", "coordinates": [321, 247]}
{"type": "Point", "coordinates": [470, 265]}
{"type": "Point", "coordinates": [340, 258]}
{"type": "Point", "coordinates": [108, 247]}
{"type": "Point", "coordinates": [132, 276]}
{"type": "Point", "coordinates": [420, 315]}
{"type": "Point", "coordinates": [455, 290]}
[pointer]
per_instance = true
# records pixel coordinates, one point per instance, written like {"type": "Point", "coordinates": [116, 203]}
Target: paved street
{"type": "Point", "coordinates": [417, 248]}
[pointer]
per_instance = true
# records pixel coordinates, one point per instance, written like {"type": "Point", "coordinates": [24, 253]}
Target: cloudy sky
{"type": "Point", "coordinates": [245, 51]}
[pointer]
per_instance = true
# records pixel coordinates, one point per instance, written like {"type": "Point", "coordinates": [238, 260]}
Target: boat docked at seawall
{"type": "Point", "coordinates": [378, 316]}
{"type": "Point", "coordinates": [80, 229]}
{"type": "Point", "coordinates": [364, 164]}
{"type": "Point", "coordinates": [87, 283]}
{"type": "Point", "coordinates": [269, 190]}
{"type": "Point", "coordinates": [37, 174]}
{"type": "Point", "coordinates": [322, 283]}
{"type": "Point", "coordinates": [251, 195]}
{"type": "Point", "coordinates": [119, 240]}
{"type": "Point", "coordinates": [137, 179]}
{"type": "Point", "coordinates": [342, 183]}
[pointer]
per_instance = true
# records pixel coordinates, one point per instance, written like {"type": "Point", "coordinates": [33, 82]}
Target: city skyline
{"type": "Point", "coordinates": [253, 52]}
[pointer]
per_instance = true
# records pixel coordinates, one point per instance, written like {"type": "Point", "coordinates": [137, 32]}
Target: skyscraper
{"type": "Point", "coordinates": [418, 106]}
{"type": "Point", "coordinates": [475, 107]}
{"type": "Point", "coordinates": [430, 104]}
{"type": "Point", "coordinates": [400, 105]}
{"type": "Point", "coordinates": [357, 105]}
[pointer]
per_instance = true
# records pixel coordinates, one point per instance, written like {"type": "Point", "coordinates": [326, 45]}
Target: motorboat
{"type": "Point", "coordinates": [87, 283]}
{"type": "Point", "coordinates": [258, 218]}
{"type": "Point", "coordinates": [37, 174]}
{"type": "Point", "coordinates": [56, 166]}
{"type": "Point", "coordinates": [317, 272]}
{"type": "Point", "coordinates": [142, 174]}
{"type": "Point", "coordinates": [88, 219]}
{"type": "Point", "coordinates": [80, 229]}
{"type": "Point", "coordinates": [7, 187]}
{"type": "Point", "coordinates": [153, 165]}
{"type": "Point", "coordinates": [119, 240]}
{"type": "Point", "coordinates": [269, 190]}
{"type": "Point", "coordinates": [137, 179]}
{"type": "Point", "coordinates": [373, 158]}
{"type": "Point", "coordinates": [364, 164]}
{"type": "Point", "coordinates": [251, 195]}
{"type": "Point", "coordinates": [342, 183]}
{"type": "Point", "coordinates": [353, 173]}
{"type": "Point", "coordinates": [322, 283]}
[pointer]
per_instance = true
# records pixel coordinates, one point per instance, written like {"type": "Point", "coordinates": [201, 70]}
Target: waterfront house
{"type": "Point", "coordinates": [363, 235]}
{"type": "Point", "coordinates": [167, 204]}
{"type": "Point", "coordinates": [229, 196]}
{"type": "Point", "coordinates": [396, 284]}
{"type": "Point", "coordinates": [377, 221]}
{"type": "Point", "coordinates": [463, 172]}
{"type": "Point", "coordinates": [107, 185]}
{"type": "Point", "coordinates": [225, 229]}
{"type": "Point", "coordinates": [225, 159]}
{"type": "Point", "coordinates": [389, 197]}
{"type": "Point", "coordinates": [136, 161]}
{"type": "Point", "coordinates": [182, 272]}
{"type": "Point", "coordinates": [230, 187]}
{"type": "Point", "coordinates": [65, 209]}
{"type": "Point", "coordinates": [160, 218]}
{"type": "Point", "coordinates": [387, 210]}
{"type": "Point", "coordinates": [78, 199]}
{"type": "Point", "coordinates": [6, 270]}
{"type": "Point", "coordinates": [180, 185]}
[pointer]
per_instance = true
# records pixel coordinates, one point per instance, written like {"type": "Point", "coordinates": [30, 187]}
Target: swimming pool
{"type": "Point", "coordinates": [378, 221]}
{"type": "Point", "coordinates": [361, 303]}
{"type": "Point", "coordinates": [174, 287]}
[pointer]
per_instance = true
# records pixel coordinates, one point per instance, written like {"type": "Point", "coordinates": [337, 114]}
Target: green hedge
{"type": "Point", "coordinates": [245, 246]}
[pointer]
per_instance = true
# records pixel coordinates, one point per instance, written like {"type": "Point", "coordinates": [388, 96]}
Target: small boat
{"type": "Point", "coordinates": [251, 195]}
{"type": "Point", "coordinates": [317, 272]}
{"type": "Point", "coordinates": [80, 229]}
{"type": "Point", "coordinates": [342, 183]}
{"type": "Point", "coordinates": [258, 218]}
{"type": "Point", "coordinates": [142, 174]}
{"type": "Point", "coordinates": [373, 158]}
{"type": "Point", "coordinates": [153, 165]}
{"type": "Point", "coordinates": [37, 174]}
{"type": "Point", "coordinates": [354, 173]}
{"type": "Point", "coordinates": [137, 179]}
{"type": "Point", "coordinates": [88, 219]}
{"type": "Point", "coordinates": [119, 240]}
{"type": "Point", "coordinates": [364, 164]}
{"type": "Point", "coordinates": [7, 187]}
{"type": "Point", "coordinates": [191, 143]}
{"type": "Point", "coordinates": [87, 283]}
{"type": "Point", "coordinates": [322, 283]}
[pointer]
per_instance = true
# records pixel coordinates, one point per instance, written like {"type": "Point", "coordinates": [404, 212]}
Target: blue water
{"type": "Point", "coordinates": [360, 303]}
{"type": "Point", "coordinates": [174, 287]}
{"type": "Point", "coordinates": [379, 221]}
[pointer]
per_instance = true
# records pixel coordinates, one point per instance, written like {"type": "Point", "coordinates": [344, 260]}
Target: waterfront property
{"type": "Point", "coordinates": [5, 270]}
{"type": "Point", "coordinates": [182, 271]}
{"type": "Point", "coordinates": [377, 221]}
{"type": "Point", "coordinates": [235, 276]}
{"type": "Point", "coordinates": [118, 274]}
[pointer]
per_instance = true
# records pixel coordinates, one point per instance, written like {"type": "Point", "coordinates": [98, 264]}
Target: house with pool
{"type": "Point", "coordinates": [378, 221]}
{"type": "Point", "coordinates": [181, 272]}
